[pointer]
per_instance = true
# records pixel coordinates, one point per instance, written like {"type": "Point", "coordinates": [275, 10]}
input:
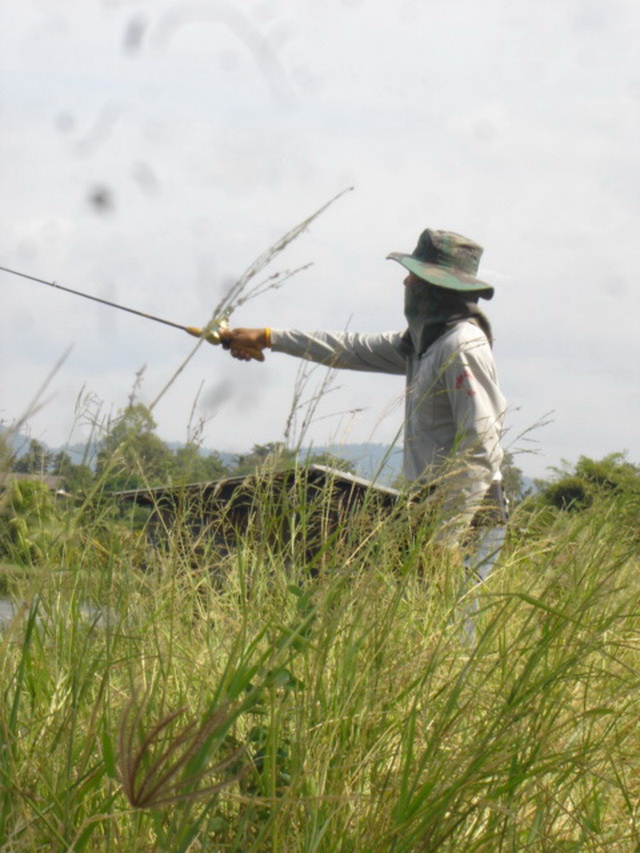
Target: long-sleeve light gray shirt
{"type": "Point", "coordinates": [453, 407]}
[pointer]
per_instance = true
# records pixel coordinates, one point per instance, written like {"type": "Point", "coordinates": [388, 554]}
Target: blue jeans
{"type": "Point", "coordinates": [485, 550]}
{"type": "Point", "coordinates": [479, 562]}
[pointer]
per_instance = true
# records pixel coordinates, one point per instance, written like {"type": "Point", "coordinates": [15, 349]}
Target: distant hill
{"type": "Point", "coordinates": [19, 444]}
{"type": "Point", "coordinates": [372, 461]}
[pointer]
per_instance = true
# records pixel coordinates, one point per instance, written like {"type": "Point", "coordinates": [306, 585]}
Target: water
{"type": "Point", "coordinates": [7, 611]}
{"type": "Point", "coordinates": [89, 612]}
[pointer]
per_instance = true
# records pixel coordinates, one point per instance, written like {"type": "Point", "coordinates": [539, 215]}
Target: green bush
{"type": "Point", "coordinates": [570, 493]}
{"type": "Point", "coordinates": [591, 480]}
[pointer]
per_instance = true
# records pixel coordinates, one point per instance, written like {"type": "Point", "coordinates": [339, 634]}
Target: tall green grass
{"type": "Point", "coordinates": [181, 698]}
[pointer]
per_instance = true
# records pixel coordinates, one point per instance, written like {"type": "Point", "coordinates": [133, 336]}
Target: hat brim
{"type": "Point", "coordinates": [443, 276]}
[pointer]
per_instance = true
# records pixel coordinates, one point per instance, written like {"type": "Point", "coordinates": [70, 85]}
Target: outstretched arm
{"type": "Point", "coordinates": [379, 352]}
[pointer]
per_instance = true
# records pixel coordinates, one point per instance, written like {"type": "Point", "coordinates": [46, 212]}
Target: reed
{"type": "Point", "coordinates": [264, 700]}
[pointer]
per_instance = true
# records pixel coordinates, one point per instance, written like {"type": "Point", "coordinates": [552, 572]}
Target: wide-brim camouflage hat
{"type": "Point", "coordinates": [446, 259]}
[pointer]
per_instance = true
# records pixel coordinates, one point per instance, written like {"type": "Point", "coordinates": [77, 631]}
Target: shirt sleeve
{"type": "Point", "coordinates": [378, 353]}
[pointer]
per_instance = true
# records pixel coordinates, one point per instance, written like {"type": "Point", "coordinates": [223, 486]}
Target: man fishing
{"type": "Point", "coordinates": [453, 409]}
{"type": "Point", "coordinates": [453, 406]}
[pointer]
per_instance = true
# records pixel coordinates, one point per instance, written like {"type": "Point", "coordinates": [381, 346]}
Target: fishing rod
{"type": "Point", "coordinates": [212, 336]}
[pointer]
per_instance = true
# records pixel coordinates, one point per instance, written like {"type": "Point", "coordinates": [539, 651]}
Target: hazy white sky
{"type": "Point", "coordinates": [151, 150]}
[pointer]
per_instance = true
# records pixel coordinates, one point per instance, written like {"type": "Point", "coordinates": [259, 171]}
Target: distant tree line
{"type": "Point", "coordinates": [131, 455]}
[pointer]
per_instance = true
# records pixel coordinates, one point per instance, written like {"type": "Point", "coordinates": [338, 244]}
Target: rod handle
{"type": "Point", "coordinates": [213, 337]}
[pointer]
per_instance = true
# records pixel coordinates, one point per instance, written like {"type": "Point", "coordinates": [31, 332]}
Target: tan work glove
{"type": "Point", "coordinates": [245, 344]}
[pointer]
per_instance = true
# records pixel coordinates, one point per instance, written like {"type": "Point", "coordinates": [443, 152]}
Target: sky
{"type": "Point", "coordinates": [151, 150]}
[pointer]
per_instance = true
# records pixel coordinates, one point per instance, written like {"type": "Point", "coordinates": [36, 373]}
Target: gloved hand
{"type": "Point", "coordinates": [245, 344]}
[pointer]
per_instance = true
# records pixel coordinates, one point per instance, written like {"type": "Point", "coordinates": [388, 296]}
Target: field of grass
{"type": "Point", "coordinates": [172, 698]}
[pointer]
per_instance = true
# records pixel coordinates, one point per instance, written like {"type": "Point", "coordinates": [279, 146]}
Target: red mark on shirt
{"type": "Point", "coordinates": [463, 382]}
